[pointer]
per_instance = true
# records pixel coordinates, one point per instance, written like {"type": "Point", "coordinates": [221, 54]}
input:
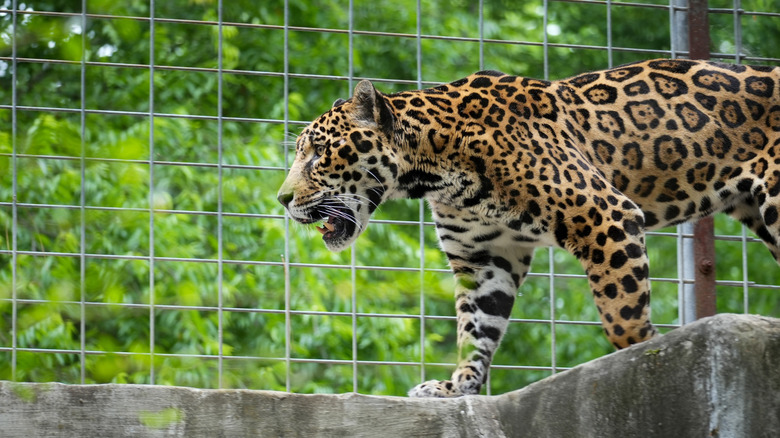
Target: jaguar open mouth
{"type": "Point", "coordinates": [332, 227]}
{"type": "Point", "coordinates": [337, 224]}
{"type": "Point", "coordinates": [337, 221]}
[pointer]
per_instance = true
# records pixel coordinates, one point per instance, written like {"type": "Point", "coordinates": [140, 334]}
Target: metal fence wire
{"type": "Point", "coordinates": [141, 147]}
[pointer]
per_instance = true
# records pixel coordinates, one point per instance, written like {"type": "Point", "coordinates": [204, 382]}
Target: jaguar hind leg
{"type": "Point", "coordinates": [614, 257]}
{"type": "Point", "coordinates": [760, 214]}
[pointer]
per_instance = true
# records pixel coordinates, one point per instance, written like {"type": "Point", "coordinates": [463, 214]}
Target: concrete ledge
{"type": "Point", "coordinates": [717, 377]}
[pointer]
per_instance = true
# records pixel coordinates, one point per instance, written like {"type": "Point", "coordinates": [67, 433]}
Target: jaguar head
{"type": "Point", "coordinates": [344, 167]}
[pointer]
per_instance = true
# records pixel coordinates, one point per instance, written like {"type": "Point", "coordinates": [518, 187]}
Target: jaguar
{"type": "Point", "coordinates": [508, 164]}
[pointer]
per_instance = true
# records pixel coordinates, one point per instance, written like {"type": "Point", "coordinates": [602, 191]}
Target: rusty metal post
{"type": "Point", "coordinates": [698, 30]}
{"type": "Point", "coordinates": [703, 230]}
{"type": "Point", "coordinates": [704, 257]}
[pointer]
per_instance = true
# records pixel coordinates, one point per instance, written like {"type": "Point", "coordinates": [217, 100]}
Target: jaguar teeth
{"type": "Point", "coordinates": [326, 227]}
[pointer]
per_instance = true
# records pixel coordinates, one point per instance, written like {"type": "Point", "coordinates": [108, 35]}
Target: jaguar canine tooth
{"type": "Point", "coordinates": [328, 225]}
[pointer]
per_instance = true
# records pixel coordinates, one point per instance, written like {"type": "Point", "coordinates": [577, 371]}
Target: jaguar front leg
{"type": "Point", "coordinates": [486, 282]}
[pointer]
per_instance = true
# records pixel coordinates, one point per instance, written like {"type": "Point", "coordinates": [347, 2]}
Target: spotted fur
{"type": "Point", "coordinates": [588, 164]}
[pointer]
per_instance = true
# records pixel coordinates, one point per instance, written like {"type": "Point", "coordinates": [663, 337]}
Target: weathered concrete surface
{"type": "Point", "coordinates": [717, 377]}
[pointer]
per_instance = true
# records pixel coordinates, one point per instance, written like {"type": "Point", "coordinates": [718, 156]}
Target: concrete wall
{"type": "Point", "coordinates": [718, 377]}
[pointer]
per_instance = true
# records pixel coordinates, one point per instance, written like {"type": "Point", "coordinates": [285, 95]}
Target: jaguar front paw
{"type": "Point", "coordinates": [436, 388]}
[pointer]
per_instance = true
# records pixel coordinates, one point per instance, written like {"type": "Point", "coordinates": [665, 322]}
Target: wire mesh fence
{"type": "Point", "coordinates": [142, 146]}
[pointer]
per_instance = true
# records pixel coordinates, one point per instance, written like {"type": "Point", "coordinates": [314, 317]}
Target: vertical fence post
{"type": "Point", "coordinates": [703, 230]}
{"type": "Point", "coordinates": [698, 30]}
{"type": "Point", "coordinates": [698, 253]}
{"type": "Point", "coordinates": [14, 199]}
{"type": "Point", "coordinates": [685, 257]}
{"type": "Point", "coordinates": [152, 294]}
{"type": "Point", "coordinates": [704, 256]}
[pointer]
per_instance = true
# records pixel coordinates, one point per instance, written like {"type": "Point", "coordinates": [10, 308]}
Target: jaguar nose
{"type": "Point", "coordinates": [285, 198]}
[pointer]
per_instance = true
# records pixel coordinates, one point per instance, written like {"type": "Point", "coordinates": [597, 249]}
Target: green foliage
{"type": "Point", "coordinates": [169, 209]}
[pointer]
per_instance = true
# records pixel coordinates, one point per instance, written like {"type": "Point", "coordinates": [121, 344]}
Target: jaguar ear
{"type": "Point", "coordinates": [365, 97]}
{"type": "Point", "coordinates": [372, 107]}
{"type": "Point", "coordinates": [338, 102]}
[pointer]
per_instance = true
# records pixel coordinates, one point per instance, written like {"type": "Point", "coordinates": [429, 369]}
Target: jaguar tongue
{"type": "Point", "coordinates": [326, 226]}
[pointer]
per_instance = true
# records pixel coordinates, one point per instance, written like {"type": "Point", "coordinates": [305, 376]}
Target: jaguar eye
{"type": "Point", "coordinates": [320, 151]}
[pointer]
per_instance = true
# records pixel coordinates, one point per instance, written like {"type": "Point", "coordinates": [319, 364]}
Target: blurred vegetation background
{"type": "Point", "coordinates": [152, 187]}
